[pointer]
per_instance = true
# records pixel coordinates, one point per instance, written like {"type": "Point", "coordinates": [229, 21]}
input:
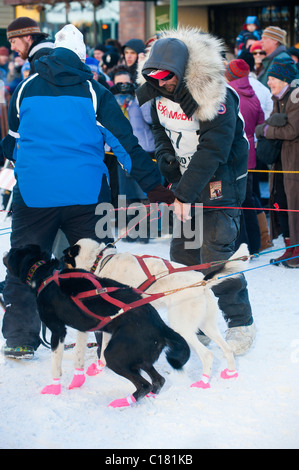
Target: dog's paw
{"type": "Point", "coordinates": [53, 389]}
{"type": "Point", "coordinates": [78, 379]}
{"type": "Point", "coordinates": [229, 374]}
{"type": "Point", "coordinates": [122, 402]}
{"type": "Point", "coordinates": [95, 369]}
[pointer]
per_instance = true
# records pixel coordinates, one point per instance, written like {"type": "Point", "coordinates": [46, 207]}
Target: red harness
{"type": "Point", "coordinates": [98, 290]}
{"type": "Point", "coordinates": [151, 278]}
{"type": "Point", "coordinates": [104, 291]}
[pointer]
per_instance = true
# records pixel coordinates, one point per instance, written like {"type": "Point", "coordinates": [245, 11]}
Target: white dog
{"type": "Point", "coordinates": [191, 308]}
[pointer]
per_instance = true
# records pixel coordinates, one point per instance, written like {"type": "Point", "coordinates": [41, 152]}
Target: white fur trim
{"type": "Point", "coordinates": [204, 74]}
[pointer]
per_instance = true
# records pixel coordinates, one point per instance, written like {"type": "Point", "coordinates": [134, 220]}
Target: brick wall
{"type": "Point", "coordinates": [131, 21]}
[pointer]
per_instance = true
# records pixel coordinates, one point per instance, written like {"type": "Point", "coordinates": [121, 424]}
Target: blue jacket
{"type": "Point", "coordinates": [62, 118]}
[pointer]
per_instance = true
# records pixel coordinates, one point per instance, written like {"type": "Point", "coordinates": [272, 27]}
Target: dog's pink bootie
{"type": "Point", "coordinates": [122, 402]}
{"type": "Point", "coordinates": [95, 369]}
{"type": "Point", "coordinates": [53, 389]}
{"type": "Point", "coordinates": [203, 383]}
{"type": "Point", "coordinates": [229, 374]}
{"type": "Point", "coordinates": [78, 379]}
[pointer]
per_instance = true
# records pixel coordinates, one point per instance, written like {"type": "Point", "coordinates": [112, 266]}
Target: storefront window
{"type": "Point", "coordinates": [94, 23]}
{"type": "Point", "coordinates": [226, 20]}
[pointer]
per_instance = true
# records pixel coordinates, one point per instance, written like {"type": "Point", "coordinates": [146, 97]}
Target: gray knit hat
{"type": "Point", "coordinates": [275, 33]}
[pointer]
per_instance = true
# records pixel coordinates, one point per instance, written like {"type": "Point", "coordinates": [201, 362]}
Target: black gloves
{"type": "Point", "coordinates": [161, 194]}
{"type": "Point", "coordinates": [169, 168]}
{"type": "Point", "coordinates": [259, 130]}
{"type": "Point", "coordinates": [277, 119]}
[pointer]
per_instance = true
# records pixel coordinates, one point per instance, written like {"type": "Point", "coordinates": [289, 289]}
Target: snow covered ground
{"type": "Point", "coordinates": [259, 409]}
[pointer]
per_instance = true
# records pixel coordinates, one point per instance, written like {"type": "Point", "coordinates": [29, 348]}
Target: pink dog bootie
{"type": "Point", "coordinates": [229, 374]}
{"type": "Point", "coordinates": [95, 369]}
{"type": "Point", "coordinates": [203, 383]}
{"type": "Point", "coordinates": [122, 402]}
{"type": "Point", "coordinates": [78, 379]}
{"type": "Point", "coordinates": [53, 389]}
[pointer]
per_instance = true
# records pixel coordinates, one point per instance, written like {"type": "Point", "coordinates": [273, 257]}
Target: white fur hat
{"type": "Point", "coordinates": [71, 38]}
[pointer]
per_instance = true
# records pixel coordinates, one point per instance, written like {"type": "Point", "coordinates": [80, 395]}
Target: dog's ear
{"type": "Point", "coordinates": [70, 254]}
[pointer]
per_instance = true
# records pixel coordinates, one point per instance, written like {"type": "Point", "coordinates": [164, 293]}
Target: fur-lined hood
{"type": "Point", "coordinates": [197, 62]}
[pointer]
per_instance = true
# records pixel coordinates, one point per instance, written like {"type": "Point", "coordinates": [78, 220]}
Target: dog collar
{"type": "Point", "coordinates": [32, 271]}
{"type": "Point", "coordinates": [97, 260]}
{"type": "Point", "coordinates": [100, 256]}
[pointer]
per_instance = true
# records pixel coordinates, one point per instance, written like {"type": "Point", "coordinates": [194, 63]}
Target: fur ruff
{"type": "Point", "coordinates": [204, 74]}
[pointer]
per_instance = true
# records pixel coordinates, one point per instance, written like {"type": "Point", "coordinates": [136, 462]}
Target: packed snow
{"type": "Point", "coordinates": [257, 410]}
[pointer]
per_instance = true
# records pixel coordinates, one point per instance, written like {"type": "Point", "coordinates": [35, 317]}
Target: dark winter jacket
{"type": "Point", "coordinates": [38, 49]}
{"type": "Point", "coordinates": [200, 123]}
{"type": "Point", "coordinates": [62, 119]}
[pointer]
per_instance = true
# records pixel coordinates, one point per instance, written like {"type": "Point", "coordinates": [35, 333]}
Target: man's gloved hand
{"type": "Point", "coordinates": [169, 168]}
{"type": "Point", "coordinates": [277, 119]}
{"type": "Point", "coordinates": [161, 194]}
{"type": "Point", "coordinates": [259, 130]}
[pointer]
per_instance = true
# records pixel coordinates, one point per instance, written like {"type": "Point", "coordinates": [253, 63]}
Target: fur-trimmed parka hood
{"type": "Point", "coordinates": [196, 58]}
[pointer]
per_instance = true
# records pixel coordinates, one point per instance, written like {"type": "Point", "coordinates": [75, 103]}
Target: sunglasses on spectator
{"type": "Point", "coordinates": [168, 77]}
{"type": "Point", "coordinates": [259, 53]}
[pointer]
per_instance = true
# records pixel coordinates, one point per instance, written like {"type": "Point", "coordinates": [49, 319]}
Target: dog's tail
{"type": "Point", "coordinates": [237, 263]}
{"type": "Point", "coordinates": [178, 351]}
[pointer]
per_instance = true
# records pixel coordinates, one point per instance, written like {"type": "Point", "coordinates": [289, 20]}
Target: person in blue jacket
{"type": "Point", "coordinates": [251, 28]}
{"type": "Point", "coordinates": [61, 119]}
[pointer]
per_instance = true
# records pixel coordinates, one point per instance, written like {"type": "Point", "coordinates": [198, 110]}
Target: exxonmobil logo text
{"type": "Point", "coordinates": [162, 108]}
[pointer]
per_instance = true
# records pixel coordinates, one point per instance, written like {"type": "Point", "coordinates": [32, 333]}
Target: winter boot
{"type": "Point", "coordinates": [286, 255]}
{"type": "Point", "coordinates": [266, 241]}
{"type": "Point", "coordinates": [240, 338]}
{"type": "Point", "coordinates": [294, 262]}
{"type": "Point", "coordinates": [19, 352]}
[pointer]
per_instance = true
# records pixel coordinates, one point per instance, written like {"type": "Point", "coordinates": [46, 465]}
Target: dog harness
{"type": "Point", "coordinates": [98, 290]}
{"type": "Point", "coordinates": [170, 269]}
{"type": "Point", "coordinates": [151, 278]}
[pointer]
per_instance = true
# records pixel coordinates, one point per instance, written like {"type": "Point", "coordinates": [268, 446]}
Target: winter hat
{"type": "Point", "coordinates": [283, 69]}
{"type": "Point", "coordinates": [136, 45]}
{"type": "Point", "coordinates": [23, 26]}
{"type": "Point", "coordinates": [252, 20]}
{"type": "Point", "coordinates": [4, 51]}
{"type": "Point", "coordinates": [71, 38]}
{"type": "Point", "coordinates": [275, 33]}
{"type": "Point", "coordinates": [100, 47]}
{"type": "Point", "coordinates": [248, 58]}
{"type": "Point", "coordinates": [93, 64]}
{"type": "Point", "coordinates": [110, 59]}
{"type": "Point", "coordinates": [256, 46]}
{"type": "Point", "coordinates": [235, 69]}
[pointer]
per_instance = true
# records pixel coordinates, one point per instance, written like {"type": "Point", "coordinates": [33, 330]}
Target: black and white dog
{"type": "Point", "coordinates": [192, 307]}
{"type": "Point", "coordinates": [81, 300]}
